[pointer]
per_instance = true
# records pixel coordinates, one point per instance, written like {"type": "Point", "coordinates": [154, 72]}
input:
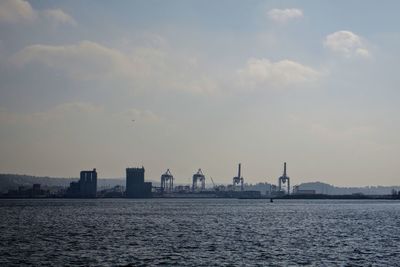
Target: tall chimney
{"type": "Point", "coordinates": [239, 170]}
{"type": "Point", "coordinates": [284, 169]}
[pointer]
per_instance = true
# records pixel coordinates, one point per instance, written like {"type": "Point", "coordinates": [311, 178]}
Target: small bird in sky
{"type": "Point", "coordinates": [133, 120]}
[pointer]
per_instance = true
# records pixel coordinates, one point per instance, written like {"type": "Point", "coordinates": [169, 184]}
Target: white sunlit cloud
{"type": "Point", "coordinates": [346, 43]}
{"type": "Point", "coordinates": [19, 11]}
{"type": "Point", "coordinates": [86, 60]}
{"type": "Point", "coordinates": [143, 67]}
{"type": "Point", "coordinates": [285, 15]}
{"type": "Point", "coordinates": [59, 17]}
{"type": "Point", "coordinates": [12, 11]}
{"type": "Point", "coordinates": [262, 73]}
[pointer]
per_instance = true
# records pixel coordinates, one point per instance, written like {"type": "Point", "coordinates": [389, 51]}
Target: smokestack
{"type": "Point", "coordinates": [239, 170]}
{"type": "Point", "coordinates": [284, 169]}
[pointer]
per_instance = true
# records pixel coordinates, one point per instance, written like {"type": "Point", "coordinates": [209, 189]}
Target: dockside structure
{"type": "Point", "coordinates": [86, 187]}
{"type": "Point", "coordinates": [136, 187]}
{"type": "Point", "coordinates": [88, 183]}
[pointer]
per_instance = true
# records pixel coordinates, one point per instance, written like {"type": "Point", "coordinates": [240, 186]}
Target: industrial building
{"type": "Point", "coordinates": [86, 187]}
{"type": "Point", "coordinates": [36, 191]}
{"type": "Point", "coordinates": [135, 185]}
{"type": "Point", "coordinates": [88, 183]}
{"type": "Point", "coordinates": [73, 190]}
{"type": "Point", "coordinates": [298, 191]}
{"type": "Point", "coordinates": [23, 192]}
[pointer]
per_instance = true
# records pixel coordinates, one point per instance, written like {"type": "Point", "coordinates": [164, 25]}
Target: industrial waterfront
{"type": "Point", "coordinates": [136, 186]}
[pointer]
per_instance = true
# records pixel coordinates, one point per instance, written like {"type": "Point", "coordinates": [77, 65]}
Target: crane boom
{"type": "Point", "coordinates": [212, 181]}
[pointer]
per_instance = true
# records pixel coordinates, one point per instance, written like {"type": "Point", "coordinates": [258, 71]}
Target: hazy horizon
{"type": "Point", "coordinates": [202, 84]}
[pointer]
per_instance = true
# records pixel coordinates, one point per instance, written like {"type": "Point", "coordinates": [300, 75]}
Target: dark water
{"type": "Point", "coordinates": [202, 232]}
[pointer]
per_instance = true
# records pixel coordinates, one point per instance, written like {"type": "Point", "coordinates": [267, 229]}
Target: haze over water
{"type": "Point", "coordinates": [201, 232]}
{"type": "Point", "coordinates": [183, 85]}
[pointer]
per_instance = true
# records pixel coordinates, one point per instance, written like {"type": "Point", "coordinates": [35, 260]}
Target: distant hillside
{"type": "Point", "coordinates": [323, 188]}
{"type": "Point", "coordinates": [12, 181]}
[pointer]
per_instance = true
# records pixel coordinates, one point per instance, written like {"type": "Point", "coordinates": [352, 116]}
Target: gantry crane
{"type": "Point", "coordinates": [238, 179]}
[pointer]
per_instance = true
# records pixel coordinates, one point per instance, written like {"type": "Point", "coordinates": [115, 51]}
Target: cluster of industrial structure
{"type": "Point", "coordinates": [22, 191]}
{"type": "Point", "coordinates": [136, 187]}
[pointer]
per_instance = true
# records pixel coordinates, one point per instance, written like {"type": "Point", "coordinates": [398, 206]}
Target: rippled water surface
{"type": "Point", "coordinates": [201, 232]}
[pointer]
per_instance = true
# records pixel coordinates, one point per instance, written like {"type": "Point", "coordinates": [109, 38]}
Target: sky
{"type": "Point", "coordinates": [202, 84]}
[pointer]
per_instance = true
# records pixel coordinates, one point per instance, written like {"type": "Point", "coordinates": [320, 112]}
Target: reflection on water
{"type": "Point", "coordinates": [206, 232]}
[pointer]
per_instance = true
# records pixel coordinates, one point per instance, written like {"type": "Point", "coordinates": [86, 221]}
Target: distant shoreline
{"type": "Point", "coordinates": [293, 197]}
{"type": "Point", "coordinates": [321, 196]}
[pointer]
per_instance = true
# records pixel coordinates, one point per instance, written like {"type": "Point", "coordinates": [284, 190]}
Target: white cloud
{"type": "Point", "coordinates": [263, 73]}
{"type": "Point", "coordinates": [16, 11]}
{"type": "Point", "coordinates": [284, 15]}
{"type": "Point", "coordinates": [362, 52]}
{"type": "Point", "coordinates": [12, 11]}
{"type": "Point", "coordinates": [87, 60]}
{"type": "Point", "coordinates": [59, 16]}
{"type": "Point", "coordinates": [141, 68]}
{"type": "Point", "coordinates": [346, 43]}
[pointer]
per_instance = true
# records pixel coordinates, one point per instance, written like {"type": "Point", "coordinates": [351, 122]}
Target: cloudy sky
{"type": "Point", "coordinates": [207, 83]}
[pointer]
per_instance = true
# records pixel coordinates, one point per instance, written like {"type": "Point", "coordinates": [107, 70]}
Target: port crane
{"type": "Point", "coordinates": [198, 177]}
{"type": "Point", "coordinates": [283, 179]}
{"type": "Point", "coordinates": [215, 187]}
{"type": "Point", "coordinates": [167, 182]}
{"type": "Point", "coordinates": [238, 179]}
